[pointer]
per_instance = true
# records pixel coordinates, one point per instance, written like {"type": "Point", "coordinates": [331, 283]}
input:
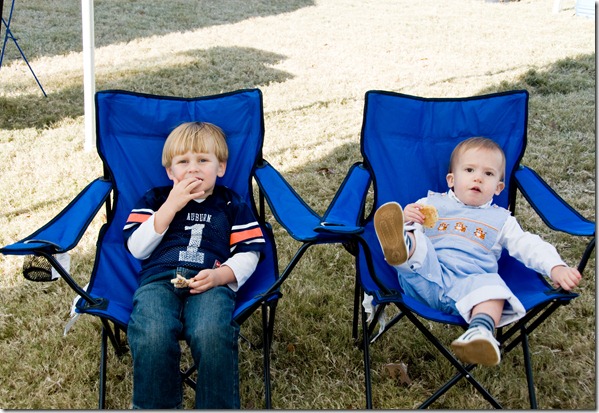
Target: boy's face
{"type": "Point", "coordinates": [477, 176]}
{"type": "Point", "coordinates": [203, 166]}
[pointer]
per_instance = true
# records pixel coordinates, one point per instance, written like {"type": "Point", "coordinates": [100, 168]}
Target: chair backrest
{"type": "Point", "coordinates": [131, 130]}
{"type": "Point", "coordinates": [406, 143]}
{"type": "Point", "coordinates": [406, 140]}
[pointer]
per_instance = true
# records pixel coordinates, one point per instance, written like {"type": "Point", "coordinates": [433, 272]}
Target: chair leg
{"type": "Point", "coordinates": [186, 376]}
{"type": "Point", "coordinates": [268, 318]}
{"type": "Point", "coordinates": [387, 327]}
{"type": "Point", "coordinates": [463, 371]}
{"type": "Point", "coordinates": [587, 254]}
{"type": "Point", "coordinates": [357, 296]}
{"type": "Point", "coordinates": [441, 391]}
{"type": "Point", "coordinates": [528, 368]}
{"type": "Point", "coordinates": [366, 350]}
{"type": "Point", "coordinates": [102, 384]}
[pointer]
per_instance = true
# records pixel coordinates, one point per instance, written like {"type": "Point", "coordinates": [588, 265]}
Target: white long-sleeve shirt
{"type": "Point", "coordinates": [145, 239]}
{"type": "Point", "coordinates": [530, 249]}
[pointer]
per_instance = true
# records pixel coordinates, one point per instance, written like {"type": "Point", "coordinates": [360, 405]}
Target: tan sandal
{"type": "Point", "coordinates": [389, 227]}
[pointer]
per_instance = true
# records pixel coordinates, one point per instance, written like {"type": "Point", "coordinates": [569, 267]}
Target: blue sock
{"type": "Point", "coordinates": [482, 320]}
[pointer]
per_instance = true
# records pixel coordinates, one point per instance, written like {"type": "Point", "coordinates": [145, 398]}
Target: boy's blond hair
{"type": "Point", "coordinates": [476, 143]}
{"type": "Point", "coordinates": [197, 137]}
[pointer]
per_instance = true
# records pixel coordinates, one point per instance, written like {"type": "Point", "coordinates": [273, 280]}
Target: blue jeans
{"type": "Point", "coordinates": [162, 315]}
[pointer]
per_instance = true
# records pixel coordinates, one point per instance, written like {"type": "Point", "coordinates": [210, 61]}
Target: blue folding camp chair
{"type": "Point", "coordinates": [131, 130]}
{"type": "Point", "coordinates": [406, 142]}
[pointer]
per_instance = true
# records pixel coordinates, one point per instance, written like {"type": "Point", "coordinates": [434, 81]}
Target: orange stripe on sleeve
{"type": "Point", "coordinates": [241, 236]}
{"type": "Point", "coordinates": [133, 217]}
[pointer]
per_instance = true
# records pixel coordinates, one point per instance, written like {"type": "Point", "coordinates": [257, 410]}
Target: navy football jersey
{"type": "Point", "coordinates": [202, 235]}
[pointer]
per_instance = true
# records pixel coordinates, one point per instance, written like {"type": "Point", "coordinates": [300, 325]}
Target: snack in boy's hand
{"type": "Point", "coordinates": [430, 215]}
{"type": "Point", "coordinates": [180, 281]}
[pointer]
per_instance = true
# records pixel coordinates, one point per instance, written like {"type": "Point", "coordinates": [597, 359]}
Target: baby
{"type": "Point", "coordinates": [453, 265]}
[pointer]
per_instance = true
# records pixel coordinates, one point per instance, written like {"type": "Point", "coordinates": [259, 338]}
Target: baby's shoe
{"type": "Point", "coordinates": [477, 346]}
{"type": "Point", "coordinates": [389, 227]}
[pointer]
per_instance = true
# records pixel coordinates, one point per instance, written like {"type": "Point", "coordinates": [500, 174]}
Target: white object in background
{"type": "Point", "coordinates": [557, 6]}
{"type": "Point", "coordinates": [74, 314]}
{"type": "Point", "coordinates": [63, 259]}
{"type": "Point", "coordinates": [89, 76]}
{"type": "Point", "coordinates": [371, 310]}
{"type": "Point", "coordinates": [585, 8]}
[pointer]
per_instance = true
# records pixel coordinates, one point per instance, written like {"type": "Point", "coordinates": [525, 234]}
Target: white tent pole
{"type": "Point", "coordinates": [89, 77]}
{"type": "Point", "coordinates": [557, 6]}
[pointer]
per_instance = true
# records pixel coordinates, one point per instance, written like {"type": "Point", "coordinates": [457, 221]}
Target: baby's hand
{"type": "Point", "coordinates": [411, 213]}
{"type": "Point", "coordinates": [565, 277]}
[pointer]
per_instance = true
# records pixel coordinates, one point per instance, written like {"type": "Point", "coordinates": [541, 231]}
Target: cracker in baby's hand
{"type": "Point", "coordinates": [430, 215]}
{"type": "Point", "coordinates": [180, 281]}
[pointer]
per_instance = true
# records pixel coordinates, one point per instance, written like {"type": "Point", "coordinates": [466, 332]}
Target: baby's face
{"type": "Point", "coordinates": [477, 176]}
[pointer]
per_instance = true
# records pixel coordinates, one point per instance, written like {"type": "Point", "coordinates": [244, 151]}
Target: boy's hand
{"type": "Point", "coordinates": [411, 213]}
{"type": "Point", "coordinates": [179, 196]}
{"type": "Point", "coordinates": [565, 277]}
{"type": "Point", "coordinates": [183, 192]}
{"type": "Point", "coordinates": [207, 279]}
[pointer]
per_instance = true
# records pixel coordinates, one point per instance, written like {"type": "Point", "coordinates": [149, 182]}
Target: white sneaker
{"type": "Point", "coordinates": [389, 227]}
{"type": "Point", "coordinates": [477, 346]}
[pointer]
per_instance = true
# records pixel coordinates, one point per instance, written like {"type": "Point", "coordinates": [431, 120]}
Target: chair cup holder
{"type": "Point", "coordinates": [36, 268]}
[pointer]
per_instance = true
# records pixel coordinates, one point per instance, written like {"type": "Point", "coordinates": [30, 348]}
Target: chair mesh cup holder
{"type": "Point", "coordinates": [37, 268]}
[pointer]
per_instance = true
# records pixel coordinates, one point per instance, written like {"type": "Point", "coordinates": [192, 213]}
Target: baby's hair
{"type": "Point", "coordinates": [478, 142]}
{"type": "Point", "coordinates": [197, 137]}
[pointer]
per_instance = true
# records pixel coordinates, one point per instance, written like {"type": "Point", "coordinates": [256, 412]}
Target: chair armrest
{"type": "Point", "coordinates": [65, 230]}
{"type": "Point", "coordinates": [345, 214]}
{"type": "Point", "coordinates": [287, 206]}
{"type": "Point", "coordinates": [553, 210]}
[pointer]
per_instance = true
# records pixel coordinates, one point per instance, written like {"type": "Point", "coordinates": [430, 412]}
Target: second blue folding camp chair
{"type": "Point", "coordinates": [406, 142]}
{"type": "Point", "coordinates": [131, 130]}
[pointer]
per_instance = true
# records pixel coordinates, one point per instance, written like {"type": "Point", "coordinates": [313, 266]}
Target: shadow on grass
{"type": "Point", "coordinates": [565, 76]}
{"type": "Point", "coordinates": [54, 28]}
{"type": "Point", "coordinates": [207, 72]}
{"type": "Point", "coordinates": [61, 200]}
{"type": "Point", "coordinates": [568, 75]}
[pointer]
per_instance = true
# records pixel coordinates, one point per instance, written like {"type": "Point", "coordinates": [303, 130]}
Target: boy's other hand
{"type": "Point", "coordinates": [210, 278]}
